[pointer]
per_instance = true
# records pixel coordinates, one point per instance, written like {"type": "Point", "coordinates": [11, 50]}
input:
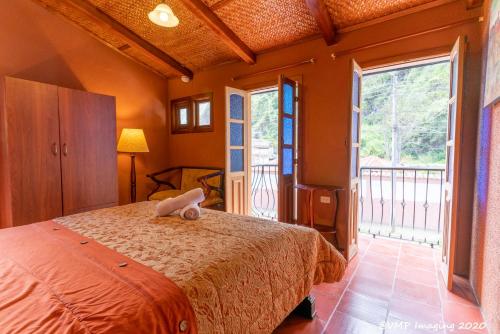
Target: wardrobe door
{"type": "Point", "coordinates": [88, 150]}
{"type": "Point", "coordinates": [31, 148]}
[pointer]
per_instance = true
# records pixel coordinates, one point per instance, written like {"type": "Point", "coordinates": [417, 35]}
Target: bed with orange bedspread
{"type": "Point", "coordinates": [240, 274]}
{"type": "Point", "coordinates": [53, 280]}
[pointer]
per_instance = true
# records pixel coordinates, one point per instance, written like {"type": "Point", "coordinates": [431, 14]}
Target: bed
{"type": "Point", "coordinates": [240, 274]}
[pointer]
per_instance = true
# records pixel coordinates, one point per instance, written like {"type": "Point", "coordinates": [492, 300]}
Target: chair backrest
{"type": "Point", "coordinates": [189, 178]}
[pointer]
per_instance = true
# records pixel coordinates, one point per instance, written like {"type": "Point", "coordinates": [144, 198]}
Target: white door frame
{"type": "Point", "coordinates": [245, 174]}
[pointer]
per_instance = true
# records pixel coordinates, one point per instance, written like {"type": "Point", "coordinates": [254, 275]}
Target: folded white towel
{"type": "Point", "coordinates": [190, 212]}
{"type": "Point", "coordinates": [169, 205]}
{"type": "Point", "coordinates": [164, 208]}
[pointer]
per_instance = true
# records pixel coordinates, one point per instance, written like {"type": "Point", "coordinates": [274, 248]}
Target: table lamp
{"type": "Point", "coordinates": [132, 141]}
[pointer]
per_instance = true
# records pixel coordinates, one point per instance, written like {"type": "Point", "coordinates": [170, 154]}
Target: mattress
{"type": "Point", "coordinates": [241, 274]}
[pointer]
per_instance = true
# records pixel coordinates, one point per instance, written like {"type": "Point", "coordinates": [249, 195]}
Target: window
{"type": "Point", "coordinates": [181, 116]}
{"type": "Point", "coordinates": [192, 114]}
{"type": "Point", "coordinates": [203, 113]}
{"type": "Point", "coordinates": [183, 119]}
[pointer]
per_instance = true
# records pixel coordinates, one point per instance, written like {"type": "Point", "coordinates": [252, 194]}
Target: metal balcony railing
{"type": "Point", "coordinates": [265, 191]}
{"type": "Point", "coordinates": [402, 202]}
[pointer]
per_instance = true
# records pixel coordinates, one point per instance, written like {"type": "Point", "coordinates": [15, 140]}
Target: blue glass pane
{"type": "Point", "coordinates": [287, 161]}
{"type": "Point", "coordinates": [354, 133]}
{"type": "Point", "coordinates": [288, 99]}
{"type": "Point", "coordinates": [355, 89]}
{"type": "Point", "coordinates": [454, 81]}
{"type": "Point", "coordinates": [287, 131]}
{"type": "Point", "coordinates": [354, 162]}
{"type": "Point", "coordinates": [236, 106]}
{"type": "Point", "coordinates": [236, 160]}
{"type": "Point", "coordinates": [236, 134]}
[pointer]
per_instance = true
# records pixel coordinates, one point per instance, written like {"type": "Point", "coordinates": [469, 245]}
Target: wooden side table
{"type": "Point", "coordinates": [329, 232]}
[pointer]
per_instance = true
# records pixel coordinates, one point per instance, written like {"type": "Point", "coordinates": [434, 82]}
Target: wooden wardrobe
{"type": "Point", "coordinates": [57, 152]}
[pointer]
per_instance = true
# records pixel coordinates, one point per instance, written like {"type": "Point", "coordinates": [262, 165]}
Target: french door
{"type": "Point", "coordinates": [453, 144]}
{"type": "Point", "coordinates": [287, 152]}
{"type": "Point", "coordinates": [237, 151]}
{"type": "Point", "coordinates": [354, 147]}
{"type": "Point", "coordinates": [238, 146]}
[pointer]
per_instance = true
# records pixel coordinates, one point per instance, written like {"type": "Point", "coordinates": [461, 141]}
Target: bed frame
{"type": "Point", "coordinates": [307, 307]}
{"type": "Point", "coordinates": [162, 178]}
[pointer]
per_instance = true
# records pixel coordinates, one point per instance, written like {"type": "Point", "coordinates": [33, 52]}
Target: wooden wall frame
{"type": "Point", "coordinates": [191, 104]}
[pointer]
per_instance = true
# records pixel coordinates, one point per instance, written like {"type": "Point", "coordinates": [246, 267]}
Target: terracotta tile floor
{"type": "Point", "coordinates": [391, 283]}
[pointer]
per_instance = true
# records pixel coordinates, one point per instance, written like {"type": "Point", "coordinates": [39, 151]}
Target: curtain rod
{"type": "Point", "coordinates": [416, 34]}
{"type": "Point", "coordinates": [274, 69]}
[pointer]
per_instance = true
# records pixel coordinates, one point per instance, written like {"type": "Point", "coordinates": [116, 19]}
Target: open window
{"type": "Point", "coordinates": [192, 114]}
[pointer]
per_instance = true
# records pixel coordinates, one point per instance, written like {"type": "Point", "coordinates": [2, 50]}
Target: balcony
{"type": "Point", "coordinates": [402, 203]}
{"type": "Point", "coordinates": [264, 194]}
{"type": "Point", "coordinates": [397, 202]}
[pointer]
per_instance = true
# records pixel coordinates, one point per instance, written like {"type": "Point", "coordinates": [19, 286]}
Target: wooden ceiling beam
{"type": "Point", "coordinates": [318, 10]}
{"type": "Point", "coordinates": [473, 3]}
{"type": "Point", "coordinates": [128, 37]}
{"type": "Point", "coordinates": [204, 13]}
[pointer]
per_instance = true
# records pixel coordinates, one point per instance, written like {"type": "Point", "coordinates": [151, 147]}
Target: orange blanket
{"type": "Point", "coordinates": [53, 280]}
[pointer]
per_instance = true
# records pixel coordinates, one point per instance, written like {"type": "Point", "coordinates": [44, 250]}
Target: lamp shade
{"type": "Point", "coordinates": [163, 16]}
{"type": "Point", "coordinates": [132, 141]}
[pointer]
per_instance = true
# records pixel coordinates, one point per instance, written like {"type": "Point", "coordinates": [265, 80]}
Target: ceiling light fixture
{"type": "Point", "coordinates": [163, 16]}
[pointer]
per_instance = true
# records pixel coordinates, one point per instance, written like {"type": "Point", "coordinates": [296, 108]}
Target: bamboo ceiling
{"type": "Point", "coordinates": [259, 24]}
{"type": "Point", "coordinates": [350, 12]}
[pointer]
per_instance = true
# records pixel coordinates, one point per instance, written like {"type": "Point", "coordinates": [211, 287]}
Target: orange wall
{"type": "Point", "coordinates": [41, 46]}
{"type": "Point", "coordinates": [326, 99]}
{"type": "Point", "coordinates": [485, 272]}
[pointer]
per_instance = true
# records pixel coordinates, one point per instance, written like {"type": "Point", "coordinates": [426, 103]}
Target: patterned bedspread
{"type": "Point", "coordinates": [241, 274]}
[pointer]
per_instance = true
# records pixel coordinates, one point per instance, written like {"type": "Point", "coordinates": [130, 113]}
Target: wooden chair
{"type": "Point", "coordinates": [178, 180]}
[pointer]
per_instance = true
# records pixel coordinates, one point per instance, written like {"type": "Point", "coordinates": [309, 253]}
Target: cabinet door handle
{"type": "Point", "coordinates": [65, 149]}
{"type": "Point", "coordinates": [55, 149]}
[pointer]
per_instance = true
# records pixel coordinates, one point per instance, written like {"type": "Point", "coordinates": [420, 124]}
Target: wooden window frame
{"type": "Point", "coordinates": [191, 103]}
{"type": "Point", "coordinates": [176, 106]}
{"type": "Point", "coordinates": [196, 101]}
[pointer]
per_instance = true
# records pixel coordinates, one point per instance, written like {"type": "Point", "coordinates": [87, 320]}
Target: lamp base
{"type": "Point", "coordinates": [132, 179]}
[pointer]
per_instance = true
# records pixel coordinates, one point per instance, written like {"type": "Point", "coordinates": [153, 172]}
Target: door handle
{"type": "Point", "coordinates": [65, 149]}
{"type": "Point", "coordinates": [55, 149]}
